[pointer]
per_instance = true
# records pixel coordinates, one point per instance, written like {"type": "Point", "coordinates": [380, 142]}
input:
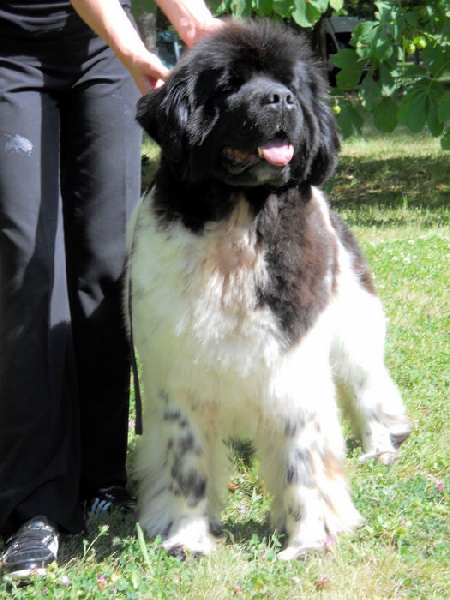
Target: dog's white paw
{"type": "Point", "coordinates": [303, 550]}
{"type": "Point", "coordinates": [193, 538]}
{"type": "Point", "coordinates": [385, 439]}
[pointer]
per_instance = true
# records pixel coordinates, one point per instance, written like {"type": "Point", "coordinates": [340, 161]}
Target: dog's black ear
{"type": "Point", "coordinates": [326, 158]}
{"type": "Point", "coordinates": [322, 142]}
{"type": "Point", "coordinates": [164, 114]}
{"type": "Point", "coordinates": [147, 109]}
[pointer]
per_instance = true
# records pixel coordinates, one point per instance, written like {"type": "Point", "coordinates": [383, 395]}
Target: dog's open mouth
{"type": "Point", "coordinates": [277, 152]}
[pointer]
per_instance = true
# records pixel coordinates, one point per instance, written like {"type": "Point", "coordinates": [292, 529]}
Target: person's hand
{"type": "Point", "coordinates": [148, 71]}
{"type": "Point", "coordinates": [192, 32]}
{"type": "Point", "coordinates": [191, 19]}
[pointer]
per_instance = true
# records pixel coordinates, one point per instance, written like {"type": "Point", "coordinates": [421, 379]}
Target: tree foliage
{"type": "Point", "coordinates": [397, 68]}
{"type": "Point", "coordinates": [304, 12]}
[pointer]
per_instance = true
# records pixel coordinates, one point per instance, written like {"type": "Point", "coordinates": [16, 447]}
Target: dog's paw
{"type": "Point", "coordinates": [302, 550]}
{"type": "Point", "coordinates": [387, 457]}
{"type": "Point", "coordinates": [385, 440]}
{"type": "Point", "coordinates": [189, 541]}
{"type": "Point", "coordinates": [182, 553]}
{"type": "Point", "coordinates": [400, 433]}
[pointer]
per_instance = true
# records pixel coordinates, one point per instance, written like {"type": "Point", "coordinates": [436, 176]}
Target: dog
{"type": "Point", "coordinates": [252, 305]}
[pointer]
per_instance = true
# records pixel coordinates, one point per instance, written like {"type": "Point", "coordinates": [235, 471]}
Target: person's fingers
{"type": "Point", "coordinates": [194, 33]}
{"type": "Point", "coordinates": [149, 72]}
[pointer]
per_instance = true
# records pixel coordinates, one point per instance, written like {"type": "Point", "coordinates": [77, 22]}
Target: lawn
{"type": "Point", "coordinates": [394, 191]}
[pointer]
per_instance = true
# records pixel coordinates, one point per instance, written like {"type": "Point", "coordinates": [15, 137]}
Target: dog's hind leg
{"type": "Point", "coordinates": [173, 481]}
{"type": "Point", "coordinates": [366, 392]}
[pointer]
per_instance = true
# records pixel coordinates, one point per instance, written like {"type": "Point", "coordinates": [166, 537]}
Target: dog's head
{"type": "Point", "coordinates": [248, 106]}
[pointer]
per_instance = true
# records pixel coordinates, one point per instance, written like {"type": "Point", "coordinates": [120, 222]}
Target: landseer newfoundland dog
{"type": "Point", "coordinates": [252, 306]}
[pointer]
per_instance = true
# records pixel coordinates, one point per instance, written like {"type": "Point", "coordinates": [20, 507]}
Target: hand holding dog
{"type": "Point", "coordinates": [192, 20]}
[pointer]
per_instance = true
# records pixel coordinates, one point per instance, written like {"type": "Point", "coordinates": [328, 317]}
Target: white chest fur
{"type": "Point", "coordinates": [198, 292]}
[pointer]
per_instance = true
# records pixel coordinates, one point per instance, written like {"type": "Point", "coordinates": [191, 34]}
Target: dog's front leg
{"type": "Point", "coordinates": [189, 529]}
{"type": "Point", "coordinates": [305, 472]}
{"type": "Point", "coordinates": [173, 480]}
{"type": "Point", "coordinates": [304, 515]}
{"type": "Point", "coordinates": [315, 497]}
{"type": "Point", "coordinates": [287, 467]}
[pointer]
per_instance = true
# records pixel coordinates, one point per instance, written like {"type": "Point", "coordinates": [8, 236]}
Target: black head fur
{"type": "Point", "coordinates": [212, 101]}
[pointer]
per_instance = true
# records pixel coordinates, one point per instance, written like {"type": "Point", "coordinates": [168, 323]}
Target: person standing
{"type": "Point", "coordinates": [70, 77]}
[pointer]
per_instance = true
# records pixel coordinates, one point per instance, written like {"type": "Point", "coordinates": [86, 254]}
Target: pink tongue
{"type": "Point", "coordinates": [278, 153]}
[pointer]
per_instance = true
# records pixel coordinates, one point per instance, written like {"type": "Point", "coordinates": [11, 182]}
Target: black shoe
{"type": "Point", "coordinates": [108, 499]}
{"type": "Point", "coordinates": [31, 549]}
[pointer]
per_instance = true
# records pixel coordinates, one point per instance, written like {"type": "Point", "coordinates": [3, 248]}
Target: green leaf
{"type": "Point", "coordinates": [387, 82]}
{"type": "Point", "coordinates": [241, 8]}
{"type": "Point", "coordinates": [386, 11]}
{"type": "Point", "coordinates": [411, 19]}
{"type": "Point", "coordinates": [413, 72]}
{"type": "Point", "coordinates": [384, 45]}
{"type": "Point", "coordinates": [143, 547]}
{"type": "Point", "coordinates": [313, 13]}
{"type": "Point", "coordinates": [218, 7]}
{"type": "Point", "coordinates": [337, 4]}
{"type": "Point", "coordinates": [307, 13]}
{"type": "Point", "coordinates": [320, 5]}
{"type": "Point", "coordinates": [385, 115]}
{"type": "Point", "coordinates": [351, 68]}
{"type": "Point", "coordinates": [349, 120]}
{"type": "Point", "coordinates": [263, 7]}
{"type": "Point", "coordinates": [299, 14]}
{"type": "Point", "coordinates": [373, 40]}
{"type": "Point", "coordinates": [370, 92]}
{"type": "Point", "coordinates": [421, 106]}
{"type": "Point", "coordinates": [363, 38]}
{"type": "Point", "coordinates": [413, 111]}
{"type": "Point", "coordinates": [444, 107]}
{"type": "Point", "coordinates": [435, 125]}
{"type": "Point", "coordinates": [435, 56]}
{"type": "Point", "coordinates": [284, 7]}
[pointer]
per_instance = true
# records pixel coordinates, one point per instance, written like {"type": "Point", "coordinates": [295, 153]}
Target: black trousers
{"type": "Point", "coordinates": [69, 178]}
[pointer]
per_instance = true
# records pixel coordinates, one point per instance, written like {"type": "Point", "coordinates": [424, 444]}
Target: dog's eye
{"type": "Point", "coordinates": [225, 90]}
{"type": "Point", "coordinates": [229, 85]}
{"type": "Point", "coordinates": [219, 95]}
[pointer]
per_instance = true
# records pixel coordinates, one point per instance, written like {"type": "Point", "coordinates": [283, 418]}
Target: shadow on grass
{"type": "Point", "coordinates": [103, 538]}
{"type": "Point", "coordinates": [108, 537]}
{"type": "Point", "coordinates": [391, 191]}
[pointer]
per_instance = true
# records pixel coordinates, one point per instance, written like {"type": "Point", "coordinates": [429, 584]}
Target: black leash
{"type": "Point", "coordinates": [138, 428]}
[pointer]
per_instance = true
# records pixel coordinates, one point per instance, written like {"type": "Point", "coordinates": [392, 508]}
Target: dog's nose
{"type": "Point", "coordinates": [278, 97]}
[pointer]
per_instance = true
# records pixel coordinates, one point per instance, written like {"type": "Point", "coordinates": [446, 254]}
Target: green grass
{"type": "Point", "coordinates": [394, 191]}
